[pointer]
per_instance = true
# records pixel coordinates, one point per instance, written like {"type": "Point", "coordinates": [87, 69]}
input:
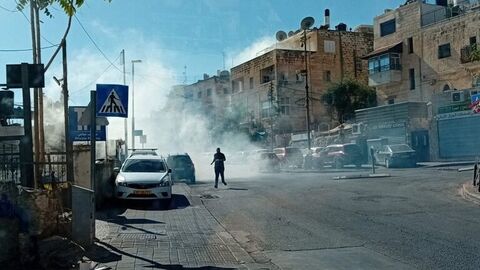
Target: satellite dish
{"type": "Point", "coordinates": [291, 33]}
{"type": "Point", "coordinates": [307, 23]}
{"type": "Point", "coordinates": [281, 35]}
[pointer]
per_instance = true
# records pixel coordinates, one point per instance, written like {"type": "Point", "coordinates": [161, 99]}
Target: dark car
{"type": "Point", "coordinates": [289, 156]}
{"type": "Point", "coordinates": [339, 155]}
{"type": "Point", "coordinates": [267, 161]}
{"type": "Point", "coordinates": [400, 155]}
{"type": "Point", "coordinates": [182, 167]}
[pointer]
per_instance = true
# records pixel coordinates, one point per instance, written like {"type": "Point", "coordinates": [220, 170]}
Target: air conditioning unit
{"type": "Point", "coordinates": [458, 96]}
{"type": "Point", "coordinates": [357, 128]}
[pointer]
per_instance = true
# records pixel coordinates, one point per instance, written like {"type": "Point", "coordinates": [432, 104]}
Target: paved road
{"type": "Point", "coordinates": [412, 220]}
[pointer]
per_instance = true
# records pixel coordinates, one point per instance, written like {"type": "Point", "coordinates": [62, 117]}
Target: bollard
{"type": "Point", "coordinates": [475, 173]}
{"type": "Point", "coordinates": [372, 151]}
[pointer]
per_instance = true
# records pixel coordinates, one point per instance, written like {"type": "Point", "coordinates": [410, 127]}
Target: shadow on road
{"type": "Point", "coordinates": [111, 252]}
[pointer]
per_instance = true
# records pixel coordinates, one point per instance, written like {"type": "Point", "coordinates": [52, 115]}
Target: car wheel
{"type": "Point", "coordinates": [338, 164]}
{"type": "Point", "coordinates": [387, 163]}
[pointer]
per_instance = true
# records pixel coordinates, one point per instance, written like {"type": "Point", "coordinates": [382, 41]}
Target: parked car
{"type": "Point", "coordinates": [396, 155]}
{"type": "Point", "coordinates": [143, 152]}
{"type": "Point", "coordinates": [339, 155]}
{"type": "Point", "coordinates": [267, 162]}
{"type": "Point", "coordinates": [144, 177]}
{"type": "Point", "coordinates": [182, 167]}
{"type": "Point", "coordinates": [289, 156]}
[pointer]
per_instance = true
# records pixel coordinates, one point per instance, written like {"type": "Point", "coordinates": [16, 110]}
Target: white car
{"type": "Point", "coordinates": [144, 178]}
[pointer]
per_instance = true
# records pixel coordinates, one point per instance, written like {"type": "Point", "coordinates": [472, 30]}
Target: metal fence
{"type": "Point", "coordinates": [51, 169]}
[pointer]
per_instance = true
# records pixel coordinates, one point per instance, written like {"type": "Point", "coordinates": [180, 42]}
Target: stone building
{"type": "Point", "coordinates": [422, 53]}
{"type": "Point", "coordinates": [269, 90]}
{"type": "Point", "coordinates": [209, 96]}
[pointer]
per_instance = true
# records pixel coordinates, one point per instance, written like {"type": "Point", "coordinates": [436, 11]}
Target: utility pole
{"type": "Point", "coordinates": [36, 125]}
{"type": "Point", "coordinates": [307, 97]}
{"type": "Point", "coordinates": [125, 122]}
{"type": "Point", "coordinates": [270, 95]}
{"type": "Point", "coordinates": [68, 143]}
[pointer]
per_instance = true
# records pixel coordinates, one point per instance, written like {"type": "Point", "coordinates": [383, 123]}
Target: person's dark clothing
{"type": "Point", "coordinates": [219, 159]}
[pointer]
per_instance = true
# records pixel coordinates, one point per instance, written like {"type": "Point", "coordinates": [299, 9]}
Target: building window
{"type": "Point", "coordinates": [444, 51]}
{"type": "Point", "coordinates": [237, 85]}
{"type": "Point", "coordinates": [251, 82]}
{"type": "Point", "coordinates": [265, 109]}
{"type": "Point", "coordinates": [199, 94]}
{"type": "Point", "coordinates": [225, 91]}
{"type": "Point", "coordinates": [391, 101]}
{"type": "Point", "coordinates": [267, 74]}
{"type": "Point", "coordinates": [329, 46]}
{"type": "Point", "coordinates": [384, 62]}
{"type": "Point", "coordinates": [410, 45]}
{"type": "Point", "coordinates": [285, 106]}
{"type": "Point", "coordinates": [473, 40]}
{"type": "Point", "coordinates": [411, 76]}
{"type": "Point", "coordinates": [327, 76]}
{"type": "Point", "coordinates": [209, 92]}
{"type": "Point", "coordinates": [387, 28]}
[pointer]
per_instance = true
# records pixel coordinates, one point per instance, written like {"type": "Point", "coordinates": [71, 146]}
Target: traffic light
{"type": "Point", "coordinates": [6, 103]}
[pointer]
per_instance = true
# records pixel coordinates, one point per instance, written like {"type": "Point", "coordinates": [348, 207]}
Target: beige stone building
{"type": "Point", "coordinates": [422, 54]}
{"type": "Point", "coordinates": [422, 50]}
{"type": "Point", "coordinates": [270, 89]}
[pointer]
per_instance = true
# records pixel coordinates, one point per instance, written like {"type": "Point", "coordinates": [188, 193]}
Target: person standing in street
{"type": "Point", "coordinates": [219, 159]}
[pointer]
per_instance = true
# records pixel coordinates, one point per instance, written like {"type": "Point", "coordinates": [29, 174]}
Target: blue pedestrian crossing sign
{"type": "Point", "coordinates": [112, 100]}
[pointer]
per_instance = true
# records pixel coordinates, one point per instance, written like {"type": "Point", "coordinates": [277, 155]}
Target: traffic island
{"type": "Point", "coordinates": [359, 176]}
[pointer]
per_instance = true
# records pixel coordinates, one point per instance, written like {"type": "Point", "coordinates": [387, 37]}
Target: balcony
{"type": "Point", "coordinates": [470, 53]}
{"type": "Point", "coordinates": [385, 77]}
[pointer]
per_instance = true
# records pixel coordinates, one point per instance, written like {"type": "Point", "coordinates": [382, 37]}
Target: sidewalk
{"type": "Point", "coordinates": [469, 192]}
{"type": "Point", "coordinates": [185, 236]}
{"type": "Point", "coordinates": [445, 163]}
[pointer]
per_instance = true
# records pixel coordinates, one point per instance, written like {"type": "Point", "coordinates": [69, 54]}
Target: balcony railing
{"type": "Point", "coordinates": [393, 66]}
{"type": "Point", "coordinates": [469, 53]}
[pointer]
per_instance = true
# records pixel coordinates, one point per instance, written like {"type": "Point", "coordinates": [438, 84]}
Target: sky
{"type": "Point", "coordinates": [177, 40]}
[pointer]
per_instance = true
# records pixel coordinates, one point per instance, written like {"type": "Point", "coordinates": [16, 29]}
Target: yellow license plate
{"type": "Point", "coordinates": [142, 192]}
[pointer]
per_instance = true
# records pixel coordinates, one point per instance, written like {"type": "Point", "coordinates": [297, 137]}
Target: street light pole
{"type": "Point", "coordinates": [125, 122]}
{"type": "Point", "coordinates": [133, 101]}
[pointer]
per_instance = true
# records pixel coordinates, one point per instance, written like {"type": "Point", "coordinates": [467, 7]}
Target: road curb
{"type": "Point", "coordinates": [446, 164]}
{"type": "Point", "coordinates": [358, 176]}
{"type": "Point", "coordinates": [468, 193]}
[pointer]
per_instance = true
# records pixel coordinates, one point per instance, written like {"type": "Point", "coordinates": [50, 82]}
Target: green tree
{"type": "Point", "coordinates": [475, 54]}
{"type": "Point", "coordinates": [69, 6]}
{"type": "Point", "coordinates": [347, 96]}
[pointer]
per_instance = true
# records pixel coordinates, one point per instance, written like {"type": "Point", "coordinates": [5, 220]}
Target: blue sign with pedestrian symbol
{"type": "Point", "coordinates": [112, 100]}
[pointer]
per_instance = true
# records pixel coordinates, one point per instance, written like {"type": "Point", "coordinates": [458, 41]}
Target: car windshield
{"type": "Point", "coordinates": [144, 165]}
{"type": "Point", "coordinates": [400, 148]}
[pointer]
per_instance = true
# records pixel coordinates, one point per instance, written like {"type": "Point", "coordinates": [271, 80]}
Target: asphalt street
{"type": "Point", "coordinates": [414, 219]}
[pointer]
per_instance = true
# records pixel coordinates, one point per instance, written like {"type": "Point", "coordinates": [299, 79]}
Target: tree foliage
{"type": "Point", "coordinates": [68, 6]}
{"type": "Point", "coordinates": [475, 54]}
{"type": "Point", "coordinates": [347, 96]}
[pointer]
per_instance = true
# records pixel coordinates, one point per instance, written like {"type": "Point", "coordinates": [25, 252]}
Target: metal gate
{"type": "Point", "coordinates": [457, 137]}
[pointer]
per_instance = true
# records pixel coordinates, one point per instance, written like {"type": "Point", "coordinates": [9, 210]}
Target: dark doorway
{"type": "Point", "coordinates": [420, 143]}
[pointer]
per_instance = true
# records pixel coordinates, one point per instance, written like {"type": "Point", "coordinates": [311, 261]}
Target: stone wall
{"type": "Point", "coordinates": [26, 216]}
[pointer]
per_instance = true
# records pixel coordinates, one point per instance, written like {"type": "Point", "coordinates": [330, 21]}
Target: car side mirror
{"type": "Point", "coordinates": [116, 170]}
{"type": "Point", "coordinates": [169, 171]}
